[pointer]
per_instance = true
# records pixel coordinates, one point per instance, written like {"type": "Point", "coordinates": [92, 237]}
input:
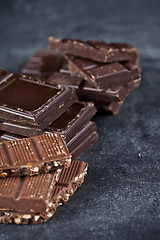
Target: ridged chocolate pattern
{"type": "Point", "coordinates": [18, 187]}
{"type": "Point", "coordinates": [32, 194]}
{"type": "Point", "coordinates": [26, 193]}
{"type": "Point", "coordinates": [32, 150]}
{"type": "Point", "coordinates": [68, 175]}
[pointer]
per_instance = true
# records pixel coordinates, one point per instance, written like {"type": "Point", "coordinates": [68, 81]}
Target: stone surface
{"type": "Point", "coordinates": [120, 197]}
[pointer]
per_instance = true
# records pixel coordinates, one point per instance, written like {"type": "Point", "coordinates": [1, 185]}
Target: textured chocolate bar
{"type": "Point", "coordinates": [103, 76]}
{"type": "Point", "coordinates": [35, 199]}
{"type": "Point", "coordinates": [95, 50]}
{"type": "Point", "coordinates": [24, 100]}
{"type": "Point", "coordinates": [68, 124]}
{"type": "Point", "coordinates": [29, 156]}
{"type": "Point", "coordinates": [77, 145]}
{"type": "Point", "coordinates": [43, 63]}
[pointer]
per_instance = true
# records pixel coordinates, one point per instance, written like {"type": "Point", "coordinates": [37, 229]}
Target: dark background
{"type": "Point", "coordinates": [120, 197]}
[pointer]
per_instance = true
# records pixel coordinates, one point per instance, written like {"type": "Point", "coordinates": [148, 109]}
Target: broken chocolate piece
{"type": "Point", "coordinates": [95, 50]}
{"type": "Point", "coordinates": [103, 76]}
{"type": "Point", "coordinates": [30, 156]}
{"type": "Point", "coordinates": [35, 199]}
{"type": "Point", "coordinates": [24, 100]}
{"type": "Point", "coordinates": [43, 63]}
{"type": "Point", "coordinates": [76, 146]}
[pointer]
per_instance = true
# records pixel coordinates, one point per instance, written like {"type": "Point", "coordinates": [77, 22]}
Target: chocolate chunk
{"type": "Point", "coordinates": [103, 76]}
{"type": "Point", "coordinates": [29, 156]}
{"type": "Point", "coordinates": [25, 200]}
{"type": "Point", "coordinates": [24, 100]}
{"type": "Point", "coordinates": [68, 124]}
{"type": "Point", "coordinates": [43, 63]}
{"type": "Point", "coordinates": [86, 92]}
{"type": "Point", "coordinates": [95, 50]}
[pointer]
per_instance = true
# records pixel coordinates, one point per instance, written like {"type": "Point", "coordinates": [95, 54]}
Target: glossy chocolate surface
{"type": "Point", "coordinates": [24, 100]}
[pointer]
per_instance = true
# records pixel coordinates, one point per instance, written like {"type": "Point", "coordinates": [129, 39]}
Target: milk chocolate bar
{"type": "Point", "coordinates": [27, 101]}
{"type": "Point", "coordinates": [43, 63]}
{"type": "Point", "coordinates": [25, 200]}
{"type": "Point", "coordinates": [29, 156]}
{"type": "Point", "coordinates": [68, 124]}
{"type": "Point", "coordinates": [103, 76]}
{"type": "Point", "coordinates": [95, 50]}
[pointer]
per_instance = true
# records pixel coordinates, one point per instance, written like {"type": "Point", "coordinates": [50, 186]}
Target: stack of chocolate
{"type": "Point", "coordinates": [45, 127]}
{"type": "Point", "coordinates": [99, 72]}
{"type": "Point", "coordinates": [36, 176]}
{"type": "Point", "coordinates": [29, 108]}
{"type": "Point", "coordinates": [43, 130]}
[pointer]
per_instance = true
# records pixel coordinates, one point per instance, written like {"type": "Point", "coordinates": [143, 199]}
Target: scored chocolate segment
{"type": "Point", "coordinates": [68, 124]}
{"type": "Point", "coordinates": [95, 50]}
{"type": "Point", "coordinates": [23, 204]}
{"type": "Point", "coordinates": [103, 76]}
{"type": "Point", "coordinates": [29, 156]}
{"type": "Point", "coordinates": [29, 194]}
{"type": "Point", "coordinates": [24, 100]}
{"type": "Point", "coordinates": [43, 63]}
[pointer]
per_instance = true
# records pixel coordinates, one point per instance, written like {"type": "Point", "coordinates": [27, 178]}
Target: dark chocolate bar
{"type": "Point", "coordinates": [24, 100]}
{"type": "Point", "coordinates": [103, 76]}
{"type": "Point", "coordinates": [29, 156]}
{"type": "Point", "coordinates": [43, 63]}
{"type": "Point", "coordinates": [68, 124]}
{"type": "Point", "coordinates": [95, 50]}
{"type": "Point", "coordinates": [35, 199]}
{"type": "Point", "coordinates": [86, 92]}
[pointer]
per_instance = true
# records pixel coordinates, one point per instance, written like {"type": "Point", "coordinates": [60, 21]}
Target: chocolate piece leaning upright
{"type": "Point", "coordinates": [35, 199]}
{"type": "Point", "coordinates": [43, 63]}
{"type": "Point", "coordinates": [29, 156]}
{"type": "Point", "coordinates": [27, 101]}
{"type": "Point", "coordinates": [95, 50]}
{"type": "Point", "coordinates": [103, 76]}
